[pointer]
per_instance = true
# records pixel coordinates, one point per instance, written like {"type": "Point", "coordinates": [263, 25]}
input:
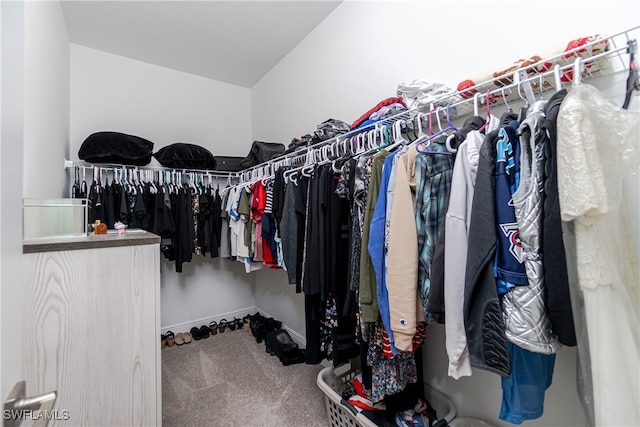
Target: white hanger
{"type": "Point", "coordinates": [397, 133]}
{"type": "Point", "coordinates": [556, 77]}
{"type": "Point", "coordinates": [476, 97]}
{"type": "Point", "coordinates": [371, 140]}
{"type": "Point", "coordinates": [578, 67]}
{"type": "Point", "coordinates": [421, 133]}
{"type": "Point", "coordinates": [438, 118]}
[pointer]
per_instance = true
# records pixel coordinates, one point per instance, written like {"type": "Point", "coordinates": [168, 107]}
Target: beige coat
{"type": "Point", "coordinates": [405, 305]}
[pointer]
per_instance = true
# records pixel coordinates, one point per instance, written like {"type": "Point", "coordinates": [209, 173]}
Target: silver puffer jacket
{"type": "Point", "coordinates": [524, 312]}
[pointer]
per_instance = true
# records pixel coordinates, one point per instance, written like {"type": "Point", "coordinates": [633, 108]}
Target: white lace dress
{"type": "Point", "coordinates": [598, 145]}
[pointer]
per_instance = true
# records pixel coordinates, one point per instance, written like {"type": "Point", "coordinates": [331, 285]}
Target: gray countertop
{"type": "Point", "coordinates": [110, 240]}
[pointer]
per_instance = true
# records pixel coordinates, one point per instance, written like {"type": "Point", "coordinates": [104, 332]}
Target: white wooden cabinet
{"type": "Point", "coordinates": [92, 327]}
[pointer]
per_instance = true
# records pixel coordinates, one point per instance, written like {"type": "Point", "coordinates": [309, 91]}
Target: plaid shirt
{"type": "Point", "coordinates": [433, 186]}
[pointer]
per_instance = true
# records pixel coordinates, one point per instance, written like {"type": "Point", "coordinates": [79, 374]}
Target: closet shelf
{"type": "Point", "coordinates": [600, 57]}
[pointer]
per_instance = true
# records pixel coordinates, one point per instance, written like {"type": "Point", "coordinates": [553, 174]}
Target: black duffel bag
{"type": "Point", "coordinates": [183, 155]}
{"type": "Point", "coordinates": [116, 147]}
{"type": "Point", "coordinates": [261, 152]}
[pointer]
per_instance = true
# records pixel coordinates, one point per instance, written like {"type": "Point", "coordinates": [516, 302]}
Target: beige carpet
{"type": "Point", "coordinates": [229, 380]}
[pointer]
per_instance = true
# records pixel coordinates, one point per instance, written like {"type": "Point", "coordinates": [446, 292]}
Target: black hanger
{"type": "Point", "coordinates": [76, 192]}
{"type": "Point", "coordinates": [633, 80]}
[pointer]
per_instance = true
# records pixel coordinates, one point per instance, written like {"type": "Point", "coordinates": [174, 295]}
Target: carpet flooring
{"type": "Point", "coordinates": [229, 380]}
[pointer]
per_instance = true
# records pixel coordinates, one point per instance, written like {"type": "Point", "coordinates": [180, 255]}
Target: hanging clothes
{"type": "Point", "coordinates": [520, 165]}
{"type": "Point", "coordinates": [527, 323]}
{"type": "Point", "coordinates": [508, 267]}
{"type": "Point", "coordinates": [405, 304]}
{"type": "Point", "coordinates": [360, 191]}
{"type": "Point", "coordinates": [598, 147]}
{"type": "Point", "coordinates": [433, 183]}
{"type": "Point", "coordinates": [558, 299]}
{"type": "Point", "coordinates": [483, 322]}
{"type": "Point", "coordinates": [288, 230]}
{"type": "Point", "coordinates": [367, 289]}
{"type": "Point", "coordinates": [379, 242]}
{"type": "Point", "coordinates": [457, 224]}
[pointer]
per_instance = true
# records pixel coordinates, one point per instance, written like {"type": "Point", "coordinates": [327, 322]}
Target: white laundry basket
{"type": "Point", "coordinates": [469, 422]}
{"type": "Point", "coordinates": [334, 382]}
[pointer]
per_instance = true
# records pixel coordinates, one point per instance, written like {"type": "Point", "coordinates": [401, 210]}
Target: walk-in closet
{"type": "Point", "coordinates": [320, 213]}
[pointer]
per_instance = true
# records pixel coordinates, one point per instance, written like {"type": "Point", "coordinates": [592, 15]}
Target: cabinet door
{"type": "Point", "coordinates": [91, 332]}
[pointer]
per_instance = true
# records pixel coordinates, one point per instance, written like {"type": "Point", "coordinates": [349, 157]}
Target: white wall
{"type": "Point", "coordinates": [362, 50]}
{"type": "Point", "coordinates": [206, 289]}
{"type": "Point", "coordinates": [276, 297]}
{"type": "Point", "coordinates": [110, 92]}
{"type": "Point", "coordinates": [358, 55]}
{"type": "Point", "coordinates": [11, 136]}
{"type": "Point", "coordinates": [46, 99]}
{"type": "Point", "coordinates": [35, 134]}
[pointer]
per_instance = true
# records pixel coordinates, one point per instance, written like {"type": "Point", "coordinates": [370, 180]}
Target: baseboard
{"type": "Point", "coordinates": [300, 339]}
{"type": "Point", "coordinates": [186, 327]}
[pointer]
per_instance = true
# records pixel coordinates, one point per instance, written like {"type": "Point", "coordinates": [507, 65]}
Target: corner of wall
{"type": "Point", "coordinates": [46, 99]}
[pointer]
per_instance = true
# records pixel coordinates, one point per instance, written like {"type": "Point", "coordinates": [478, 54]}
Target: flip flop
{"type": "Point", "coordinates": [187, 337]}
{"type": "Point", "coordinates": [163, 341]}
{"type": "Point", "coordinates": [179, 339]}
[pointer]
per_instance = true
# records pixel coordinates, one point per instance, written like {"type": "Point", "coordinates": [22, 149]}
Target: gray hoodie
{"type": "Point", "coordinates": [482, 313]}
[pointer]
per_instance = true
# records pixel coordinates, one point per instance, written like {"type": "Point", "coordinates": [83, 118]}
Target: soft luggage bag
{"type": "Point", "coordinates": [262, 152]}
{"type": "Point", "coordinates": [182, 155]}
{"type": "Point", "coordinates": [117, 148]}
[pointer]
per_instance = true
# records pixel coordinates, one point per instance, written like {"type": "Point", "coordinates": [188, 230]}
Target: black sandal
{"type": "Point", "coordinates": [233, 325]}
{"type": "Point", "coordinates": [213, 325]}
{"type": "Point", "coordinates": [170, 338]}
{"type": "Point", "coordinates": [222, 325]}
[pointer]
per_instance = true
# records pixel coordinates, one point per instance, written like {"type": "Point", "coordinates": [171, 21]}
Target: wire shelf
{"type": "Point", "coordinates": [599, 57]}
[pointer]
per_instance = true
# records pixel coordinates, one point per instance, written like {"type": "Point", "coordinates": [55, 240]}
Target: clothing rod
{"type": "Point", "coordinates": [255, 173]}
{"type": "Point", "coordinates": [80, 164]}
{"type": "Point", "coordinates": [493, 83]}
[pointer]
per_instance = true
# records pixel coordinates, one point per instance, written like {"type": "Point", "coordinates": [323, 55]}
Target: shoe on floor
{"type": "Point", "coordinates": [187, 337]}
{"type": "Point", "coordinates": [222, 325]}
{"type": "Point", "coordinates": [170, 338]}
{"type": "Point", "coordinates": [204, 331]}
{"type": "Point", "coordinates": [195, 333]}
{"type": "Point", "coordinates": [213, 327]}
{"type": "Point", "coordinates": [179, 339]}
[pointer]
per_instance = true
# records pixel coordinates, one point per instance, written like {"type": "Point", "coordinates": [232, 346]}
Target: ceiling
{"type": "Point", "coordinates": [236, 42]}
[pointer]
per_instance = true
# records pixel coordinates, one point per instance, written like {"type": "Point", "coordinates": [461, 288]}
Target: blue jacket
{"type": "Point", "coordinates": [508, 266]}
{"type": "Point", "coordinates": [376, 249]}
